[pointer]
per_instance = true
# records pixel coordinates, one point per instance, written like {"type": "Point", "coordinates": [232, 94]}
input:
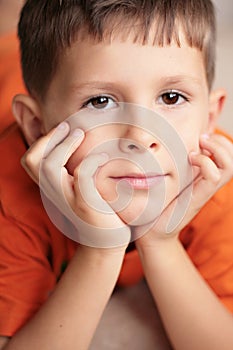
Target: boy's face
{"type": "Point", "coordinates": [170, 80]}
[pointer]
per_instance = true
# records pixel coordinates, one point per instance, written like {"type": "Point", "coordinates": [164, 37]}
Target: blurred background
{"type": "Point", "coordinates": [9, 11]}
{"type": "Point", "coordinates": [224, 76]}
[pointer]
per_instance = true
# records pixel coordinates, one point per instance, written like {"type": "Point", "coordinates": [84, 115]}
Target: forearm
{"type": "Point", "coordinates": [193, 316]}
{"type": "Point", "coordinates": [70, 316]}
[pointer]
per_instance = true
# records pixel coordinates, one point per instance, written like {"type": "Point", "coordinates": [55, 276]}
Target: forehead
{"type": "Point", "coordinates": [90, 58]}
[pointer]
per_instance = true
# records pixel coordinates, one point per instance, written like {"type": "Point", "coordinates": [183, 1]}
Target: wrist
{"type": "Point", "coordinates": [97, 263]}
{"type": "Point", "coordinates": [159, 247]}
{"type": "Point", "coordinates": [101, 253]}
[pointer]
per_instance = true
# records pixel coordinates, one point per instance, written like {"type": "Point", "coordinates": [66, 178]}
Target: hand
{"type": "Point", "coordinates": [215, 165]}
{"type": "Point", "coordinates": [93, 224]}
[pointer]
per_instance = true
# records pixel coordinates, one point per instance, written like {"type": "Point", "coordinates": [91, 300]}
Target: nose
{"type": "Point", "coordinates": [136, 139]}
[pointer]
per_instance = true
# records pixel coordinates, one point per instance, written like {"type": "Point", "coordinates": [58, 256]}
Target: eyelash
{"type": "Point", "coordinates": [176, 94]}
{"type": "Point", "coordinates": [92, 99]}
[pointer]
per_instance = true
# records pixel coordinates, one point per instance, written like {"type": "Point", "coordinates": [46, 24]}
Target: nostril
{"type": "Point", "coordinates": [153, 145]}
{"type": "Point", "coordinates": [132, 146]}
{"type": "Point", "coordinates": [129, 145]}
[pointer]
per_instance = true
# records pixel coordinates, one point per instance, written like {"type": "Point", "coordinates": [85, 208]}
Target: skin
{"type": "Point", "coordinates": [116, 74]}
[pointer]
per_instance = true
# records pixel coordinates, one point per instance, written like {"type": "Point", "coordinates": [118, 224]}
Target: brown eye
{"type": "Point", "coordinates": [100, 102]}
{"type": "Point", "coordinates": [171, 98]}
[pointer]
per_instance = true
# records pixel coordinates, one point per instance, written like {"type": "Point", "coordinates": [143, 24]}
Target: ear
{"type": "Point", "coordinates": [27, 113]}
{"type": "Point", "coordinates": [216, 104]}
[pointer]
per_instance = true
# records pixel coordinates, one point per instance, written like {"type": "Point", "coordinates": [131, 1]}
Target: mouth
{"type": "Point", "coordinates": [139, 181]}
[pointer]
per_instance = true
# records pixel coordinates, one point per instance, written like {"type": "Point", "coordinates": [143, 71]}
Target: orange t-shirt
{"type": "Point", "coordinates": [10, 77]}
{"type": "Point", "coordinates": [34, 253]}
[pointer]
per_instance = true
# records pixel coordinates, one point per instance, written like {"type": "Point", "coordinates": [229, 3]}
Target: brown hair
{"type": "Point", "coordinates": [48, 27]}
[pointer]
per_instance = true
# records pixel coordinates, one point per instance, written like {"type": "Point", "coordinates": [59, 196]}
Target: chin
{"type": "Point", "coordinates": [139, 214]}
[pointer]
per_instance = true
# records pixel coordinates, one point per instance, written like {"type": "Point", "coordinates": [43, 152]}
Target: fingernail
{"type": "Point", "coordinates": [205, 136]}
{"type": "Point", "coordinates": [62, 126]}
{"type": "Point", "coordinates": [77, 133]}
{"type": "Point", "coordinates": [105, 155]}
{"type": "Point", "coordinates": [193, 153]}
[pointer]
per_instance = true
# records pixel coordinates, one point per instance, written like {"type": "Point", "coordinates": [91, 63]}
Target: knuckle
{"type": "Point", "coordinates": [28, 160]}
{"type": "Point", "coordinates": [216, 178]}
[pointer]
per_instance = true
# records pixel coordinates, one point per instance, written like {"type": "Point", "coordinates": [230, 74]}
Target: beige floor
{"type": "Point", "coordinates": [131, 322]}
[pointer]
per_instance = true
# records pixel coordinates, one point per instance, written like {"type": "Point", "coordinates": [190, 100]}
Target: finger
{"type": "Point", "coordinates": [221, 149]}
{"type": "Point", "coordinates": [53, 174]}
{"type": "Point", "coordinates": [84, 182]}
{"type": "Point", "coordinates": [210, 176]}
{"type": "Point", "coordinates": [224, 141]}
{"type": "Point", "coordinates": [92, 208]}
{"type": "Point", "coordinates": [32, 174]}
{"type": "Point", "coordinates": [55, 137]}
{"type": "Point", "coordinates": [59, 153]}
{"type": "Point", "coordinates": [32, 158]}
{"type": "Point", "coordinates": [90, 165]}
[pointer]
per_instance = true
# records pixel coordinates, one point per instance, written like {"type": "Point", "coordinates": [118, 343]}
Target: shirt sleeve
{"type": "Point", "coordinates": [211, 247]}
{"type": "Point", "coordinates": [26, 276]}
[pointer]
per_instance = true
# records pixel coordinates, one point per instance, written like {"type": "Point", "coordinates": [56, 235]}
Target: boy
{"type": "Point", "coordinates": [92, 56]}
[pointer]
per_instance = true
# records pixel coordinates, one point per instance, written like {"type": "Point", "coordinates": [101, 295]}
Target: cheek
{"type": "Point", "coordinates": [93, 139]}
{"type": "Point", "coordinates": [192, 144]}
{"type": "Point", "coordinates": [88, 144]}
{"type": "Point", "coordinates": [190, 136]}
{"type": "Point", "coordinates": [192, 126]}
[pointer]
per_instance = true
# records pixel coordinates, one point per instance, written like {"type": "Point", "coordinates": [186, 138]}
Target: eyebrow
{"type": "Point", "coordinates": [177, 79]}
{"type": "Point", "coordinates": [168, 80]}
{"type": "Point", "coordinates": [98, 84]}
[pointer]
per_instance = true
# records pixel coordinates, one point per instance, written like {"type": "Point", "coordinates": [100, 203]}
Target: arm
{"type": "Point", "coordinates": [3, 342]}
{"type": "Point", "coordinates": [193, 316]}
{"type": "Point", "coordinates": [73, 310]}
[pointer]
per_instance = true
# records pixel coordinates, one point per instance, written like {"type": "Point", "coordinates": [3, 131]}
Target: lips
{"type": "Point", "coordinates": [139, 181]}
